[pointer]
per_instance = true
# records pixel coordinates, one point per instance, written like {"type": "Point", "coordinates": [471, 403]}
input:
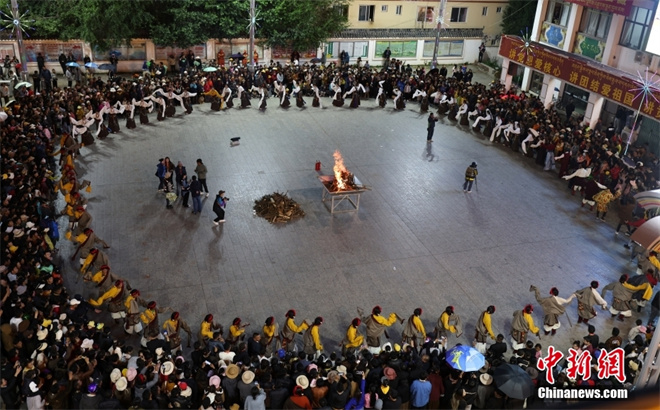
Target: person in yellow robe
{"type": "Point", "coordinates": [173, 327]}
{"type": "Point", "coordinates": [484, 329]}
{"type": "Point", "coordinates": [353, 339]}
{"type": "Point", "coordinates": [376, 325]}
{"type": "Point", "coordinates": [207, 329]}
{"type": "Point", "coordinates": [312, 339]}
{"type": "Point", "coordinates": [236, 331]}
{"type": "Point", "coordinates": [270, 336]}
{"type": "Point", "coordinates": [414, 332]}
{"type": "Point", "coordinates": [522, 324]}
{"type": "Point", "coordinates": [290, 329]}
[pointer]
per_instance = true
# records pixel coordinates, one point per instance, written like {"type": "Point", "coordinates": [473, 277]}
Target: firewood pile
{"type": "Point", "coordinates": [277, 208]}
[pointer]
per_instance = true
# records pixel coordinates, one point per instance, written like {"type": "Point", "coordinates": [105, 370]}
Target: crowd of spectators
{"type": "Point", "coordinates": [57, 352]}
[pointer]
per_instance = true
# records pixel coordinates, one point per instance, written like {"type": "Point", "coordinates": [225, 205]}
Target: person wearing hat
{"type": "Point", "coordinates": [104, 279]}
{"type": "Point", "coordinates": [376, 325]}
{"type": "Point", "coordinates": [150, 320]}
{"type": "Point", "coordinates": [94, 261]}
{"type": "Point", "coordinates": [470, 176]}
{"type": "Point", "coordinates": [484, 329]}
{"type": "Point", "coordinates": [288, 335]}
{"type": "Point", "coordinates": [298, 400]}
{"type": "Point", "coordinates": [587, 298]}
{"type": "Point", "coordinates": [132, 305]}
{"type": "Point", "coordinates": [353, 339]}
{"type": "Point", "coordinates": [485, 390]}
{"type": "Point", "coordinates": [270, 333]}
{"type": "Point", "coordinates": [172, 328]}
{"type": "Point", "coordinates": [115, 296]}
{"type": "Point", "coordinates": [622, 295]}
{"type": "Point", "coordinates": [449, 321]}
{"type": "Point", "coordinates": [414, 332]}
{"type": "Point", "coordinates": [87, 240]}
{"type": "Point", "coordinates": [312, 340]}
{"type": "Point", "coordinates": [245, 385]}
{"type": "Point", "coordinates": [553, 307]}
{"type": "Point", "coordinates": [236, 331]}
{"type": "Point", "coordinates": [207, 330]}
{"type": "Point", "coordinates": [522, 323]}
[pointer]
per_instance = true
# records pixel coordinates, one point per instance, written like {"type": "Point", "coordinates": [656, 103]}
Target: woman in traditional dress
{"type": "Point", "coordinates": [262, 101]}
{"type": "Point", "coordinates": [144, 107]}
{"type": "Point", "coordinates": [398, 100]}
{"type": "Point", "coordinates": [284, 99]}
{"type": "Point", "coordinates": [159, 105]}
{"type": "Point", "coordinates": [227, 96]}
{"type": "Point", "coordinates": [300, 103]}
{"type": "Point", "coordinates": [185, 100]}
{"type": "Point", "coordinates": [245, 97]}
{"type": "Point", "coordinates": [113, 122]}
{"type": "Point", "coordinates": [170, 110]}
{"type": "Point", "coordinates": [316, 102]}
{"type": "Point", "coordinates": [129, 108]}
{"type": "Point", "coordinates": [337, 99]}
{"type": "Point", "coordinates": [424, 106]}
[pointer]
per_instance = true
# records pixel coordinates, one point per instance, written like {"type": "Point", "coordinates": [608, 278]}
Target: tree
{"type": "Point", "coordinates": [518, 15]}
{"type": "Point", "coordinates": [98, 22]}
{"type": "Point", "coordinates": [300, 24]}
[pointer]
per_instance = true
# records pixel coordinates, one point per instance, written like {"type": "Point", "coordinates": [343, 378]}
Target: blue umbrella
{"type": "Point", "coordinates": [91, 64]}
{"type": "Point", "coordinates": [106, 66]}
{"type": "Point", "coordinates": [465, 358]}
{"type": "Point", "coordinates": [72, 64]}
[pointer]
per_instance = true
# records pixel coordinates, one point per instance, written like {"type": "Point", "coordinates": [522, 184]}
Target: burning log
{"type": "Point", "coordinates": [277, 207]}
{"type": "Point", "coordinates": [343, 178]}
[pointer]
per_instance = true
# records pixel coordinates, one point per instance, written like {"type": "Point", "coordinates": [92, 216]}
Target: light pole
{"type": "Point", "coordinates": [19, 38]}
{"type": "Point", "coordinates": [440, 19]}
{"type": "Point", "coordinates": [253, 23]}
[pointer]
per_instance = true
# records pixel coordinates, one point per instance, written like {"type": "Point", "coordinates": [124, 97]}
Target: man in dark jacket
{"type": "Point", "coordinates": [196, 193]}
{"type": "Point", "coordinates": [179, 172]}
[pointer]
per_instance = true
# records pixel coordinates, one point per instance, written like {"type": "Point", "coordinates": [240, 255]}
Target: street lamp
{"type": "Point", "coordinates": [441, 21]}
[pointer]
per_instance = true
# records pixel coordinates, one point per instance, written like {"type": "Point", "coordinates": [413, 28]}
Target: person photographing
{"type": "Point", "coordinates": [219, 205]}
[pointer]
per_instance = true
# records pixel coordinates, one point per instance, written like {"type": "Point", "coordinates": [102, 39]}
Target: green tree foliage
{"type": "Point", "coordinates": [301, 24]}
{"type": "Point", "coordinates": [518, 15]}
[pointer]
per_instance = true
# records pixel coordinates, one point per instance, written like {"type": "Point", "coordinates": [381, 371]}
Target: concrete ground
{"type": "Point", "coordinates": [417, 241]}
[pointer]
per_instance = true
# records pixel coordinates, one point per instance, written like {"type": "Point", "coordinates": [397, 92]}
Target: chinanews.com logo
{"type": "Point", "coordinates": [609, 364]}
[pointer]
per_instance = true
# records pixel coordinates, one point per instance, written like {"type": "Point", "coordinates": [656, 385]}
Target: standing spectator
{"type": "Point", "coordinates": [69, 77]}
{"type": "Point", "coordinates": [196, 192]}
{"type": "Point", "coordinates": [219, 205]}
{"type": "Point", "coordinates": [62, 61]}
{"type": "Point", "coordinates": [482, 51]}
{"type": "Point", "coordinates": [185, 190]}
{"type": "Point", "coordinates": [386, 56]}
{"type": "Point", "coordinates": [36, 81]}
{"type": "Point", "coordinates": [180, 173]}
{"type": "Point", "coordinates": [41, 62]}
{"type": "Point", "coordinates": [201, 171]}
{"type": "Point", "coordinates": [420, 392]}
{"type": "Point", "coordinates": [47, 79]}
{"type": "Point", "coordinates": [470, 176]}
{"type": "Point", "coordinates": [160, 173]}
{"type": "Point", "coordinates": [256, 400]}
{"type": "Point", "coordinates": [431, 127]}
{"type": "Point", "coordinates": [570, 107]}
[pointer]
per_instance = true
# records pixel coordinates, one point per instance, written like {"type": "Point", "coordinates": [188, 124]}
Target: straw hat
{"type": "Point", "coordinates": [115, 375]}
{"type": "Point", "coordinates": [302, 381]}
{"type": "Point", "coordinates": [42, 334]}
{"type": "Point", "coordinates": [486, 379]}
{"type": "Point", "coordinates": [166, 368]}
{"type": "Point", "coordinates": [121, 384]}
{"type": "Point", "coordinates": [232, 371]}
{"type": "Point", "coordinates": [248, 377]}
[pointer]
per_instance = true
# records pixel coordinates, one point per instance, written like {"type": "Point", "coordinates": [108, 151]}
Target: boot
{"type": "Point", "coordinates": [639, 309]}
{"type": "Point", "coordinates": [585, 321]}
{"type": "Point", "coordinates": [546, 332]}
{"type": "Point", "coordinates": [621, 318]}
{"type": "Point", "coordinates": [613, 315]}
{"type": "Point", "coordinates": [554, 332]}
{"type": "Point", "coordinates": [580, 319]}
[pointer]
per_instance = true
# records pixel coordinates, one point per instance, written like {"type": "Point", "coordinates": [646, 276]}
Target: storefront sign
{"type": "Point", "coordinates": [618, 87]}
{"type": "Point", "coordinates": [621, 7]}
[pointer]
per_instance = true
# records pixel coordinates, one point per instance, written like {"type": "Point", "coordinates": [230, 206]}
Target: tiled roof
{"type": "Point", "coordinates": [428, 33]}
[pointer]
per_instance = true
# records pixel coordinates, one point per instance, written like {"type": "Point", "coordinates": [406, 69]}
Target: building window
{"type": "Point", "coordinates": [342, 10]}
{"type": "Point", "coordinates": [636, 28]}
{"type": "Point", "coordinates": [484, 11]}
{"type": "Point", "coordinates": [425, 14]}
{"type": "Point", "coordinates": [399, 49]}
{"type": "Point", "coordinates": [595, 23]}
{"type": "Point", "coordinates": [366, 13]}
{"type": "Point", "coordinates": [458, 14]}
{"type": "Point", "coordinates": [558, 13]}
{"type": "Point", "coordinates": [445, 48]}
{"type": "Point", "coordinates": [354, 49]}
{"type": "Point", "coordinates": [398, 9]}
{"type": "Point", "coordinates": [383, 9]}
{"type": "Point", "coordinates": [498, 10]}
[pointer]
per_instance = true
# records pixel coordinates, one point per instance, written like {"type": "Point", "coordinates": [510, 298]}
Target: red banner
{"type": "Point", "coordinates": [622, 7]}
{"type": "Point", "coordinates": [619, 86]}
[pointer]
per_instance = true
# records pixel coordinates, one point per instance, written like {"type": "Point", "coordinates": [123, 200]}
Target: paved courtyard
{"type": "Point", "coordinates": [417, 241]}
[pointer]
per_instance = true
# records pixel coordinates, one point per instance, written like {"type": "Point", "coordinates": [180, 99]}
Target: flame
{"type": "Point", "coordinates": [339, 169]}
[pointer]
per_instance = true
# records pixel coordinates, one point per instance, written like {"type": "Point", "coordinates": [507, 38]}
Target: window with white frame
{"type": "Point", "coordinates": [383, 8]}
{"type": "Point", "coordinates": [425, 14]}
{"type": "Point", "coordinates": [484, 11]}
{"type": "Point", "coordinates": [458, 14]}
{"type": "Point", "coordinates": [558, 13]}
{"type": "Point", "coordinates": [636, 28]}
{"type": "Point", "coordinates": [399, 9]}
{"type": "Point", "coordinates": [498, 10]}
{"type": "Point", "coordinates": [595, 23]}
{"type": "Point", "coordinates": [366, 13]}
